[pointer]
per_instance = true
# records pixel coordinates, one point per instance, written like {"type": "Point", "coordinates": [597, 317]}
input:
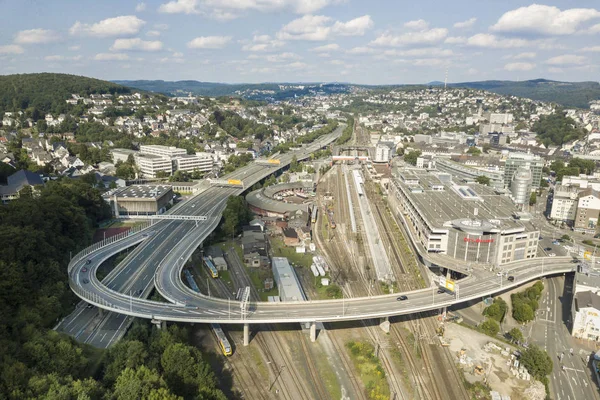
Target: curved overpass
{"type": "Point", "coordinates": [175, 241]}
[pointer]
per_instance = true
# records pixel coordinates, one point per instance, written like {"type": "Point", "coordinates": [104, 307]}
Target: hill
{"type": "Point", "coordinates": [47, 92]}
{"type": "Point", "coordinates": [568, 94]}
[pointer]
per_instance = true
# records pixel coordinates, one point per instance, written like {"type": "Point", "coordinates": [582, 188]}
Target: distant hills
{"type": "Point", "coordinates": [568, 94]}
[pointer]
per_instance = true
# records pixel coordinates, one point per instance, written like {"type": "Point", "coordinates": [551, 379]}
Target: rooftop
{"type": "Point", "coordinates": [140, 192]}
{"type": "Point", "coordinates": [287, 281]}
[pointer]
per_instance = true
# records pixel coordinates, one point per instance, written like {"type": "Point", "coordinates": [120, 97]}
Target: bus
{"type": "Point", "coordinates": [211, 267]}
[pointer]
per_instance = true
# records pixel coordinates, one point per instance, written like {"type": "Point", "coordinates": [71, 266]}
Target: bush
{"type": "Point", "coordinates": [526, 303]}
{"type": "Point", "coordinates": [515, 335]}
{"type": "Point", "coordinates": [490, 327]}
{"type": "Point", "coordinates": [497, 310]}
{"type": "Point", "coordinates": [537, 362]}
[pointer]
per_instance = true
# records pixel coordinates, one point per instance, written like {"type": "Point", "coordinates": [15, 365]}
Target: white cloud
{"type": "Point", "coordinates": [419, 25]}
{"type": "Point", "coordinates": [355, 27]}
{"type": "Point", "coordinates": [593, 29]}
{"type": "Point", "coordinates": [62, 58]}
{"type": "Point", "coordinates": [326, 48]}
{"type": "Point", "coordinates": [361, 50]}
{"type": "Point", "coordinates": [282, 57]}
{"type": "Point", "coordinates": [140, 7]}
{"type": "Point", "coordinates": [567, 59]}
{"type": "Point", "coordinates": [261, 43]}
{"type": "Point", "coordinates": [179, 7]}
{"type": "Point", "coordinates": [74, 48]}
{"type": "Point", "coordinates": [556, 70]}
{"type": "Point", "coordinates": [337, 62]}
{"type": "Point", "coordinates": [11, 49]}
{"type": "Point", "coordinates": [161, 27]}
{"type": "Point", "coordinates": [427, 52]}
{"type": "Point", "coordinates": [455, 40]}
{"type": "Point", "coordinates": [545, 20]}
{"type": "Point", "coordinates": [430, 36]}
{"type": "Point", "coordinates": [209, 42]}
{"type": "Point", "coordinates": [525, 55]}
{"type": "Point", "coordinates": [36, 36]}
{"type": "Point", "coordinates": [307, 27]}
{"type": "Point", "coordinates": [153, 33]}
{"type": "Point", "coordinates": [297, 65]}
{"type": "Point", "coordinates": [592, 49]}
{"type": "Point", "coordinates": [136, 44]}
{"type": "Point", "coordinates": [117, 26]}
{"type": "Point", "coordinates": [519, 66]}
{"type": "Point", "coordinates": [491, 41]}
{"type": "Point", "coordinates": [465, 24]}
{"type": "Point", "coordinates": [111, 57]}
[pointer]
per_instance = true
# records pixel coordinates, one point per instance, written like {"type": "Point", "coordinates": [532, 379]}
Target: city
{"type": "Point", "coordinates": [304, 236]}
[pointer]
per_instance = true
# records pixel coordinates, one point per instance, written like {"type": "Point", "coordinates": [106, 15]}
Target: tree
{"type": "Point", "coordinates": [294, 166]}
{"type": "Point", "coordinates": [474, 151]}
{"type": "Point", "coordinates": [565, 238]}
{"type": "Point", "coordinates": [497, 310]}
{"type": "Point", "coordinates": [487, 147]}
{"type": "Point", "coordinates": [556, 129]}
{"type": "Point", "coordinates": [400, 151]}
{"type": "Point", "coordinates": [532, 199]}
{"type": "Point", "coordinates": [235, 215]}
{"type": "Point", "coordinates": [483, 180]}
{"type": "Point", "coordinates": [138, 383]}
{"type": "Point", "coordinates": [537, 362]}
{"type": "Point", "coordinates": [516, 335]}
{"type": "Point", "coordinates": [490, 327]}
{"type": "Point", "coordinates": [411, 157]}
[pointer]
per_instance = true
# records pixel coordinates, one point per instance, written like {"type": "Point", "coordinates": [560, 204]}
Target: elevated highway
{"type": "Point", "coordinates": [167, 244]}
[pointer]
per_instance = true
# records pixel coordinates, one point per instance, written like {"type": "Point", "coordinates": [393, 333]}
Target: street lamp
{"type": "Point", "coordinates": [277, 377]}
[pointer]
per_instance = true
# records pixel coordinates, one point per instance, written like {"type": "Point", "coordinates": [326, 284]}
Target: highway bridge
{"type": "Point", "coordinates": [165, 246]}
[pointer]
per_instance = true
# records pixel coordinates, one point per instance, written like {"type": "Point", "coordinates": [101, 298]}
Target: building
{"type": "Point", "coordinates": [122, 154]}
{"type": "Point", "coordinates": [588, 209]}
{"type": "Point", "coordinates": [530, 161]}
{"type": "Point", "coordinates": [498, 118]}
{"type": "Point", "coordinates": [202, 162]}
{"type": "Point", "coordinates": [564, 203]}
{"type": "Point", "coordinates": [468, 174]}
{"type": "Point", "coordinates": [383, 152]}
{"type": "Point", "coordinates": [286, 280]}
{"type": "Point", "coordinates": [520, 186]}
{"type": "Point", "coordinates": [585, 312]}
{"type": "Point", "coordinates": [139, 200]}
{"type": "Point", "coordinates": [467, 223]}
{"type": "Point", "coordinates": [163, 151]}
{"type": "Point", "coordinates": [151, 165]}
{"type": "Point", "coordinates": [17, 182]}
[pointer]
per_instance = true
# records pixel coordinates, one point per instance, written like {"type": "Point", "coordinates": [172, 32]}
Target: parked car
{"type": "Point", "coordinates": [548, 249]}
{"type": "Point", "coordinates": [551, 254]}
{"type": "Point", "coordinates": [403, 297]}
{"type": "Point", "coordinates": [86, 281]}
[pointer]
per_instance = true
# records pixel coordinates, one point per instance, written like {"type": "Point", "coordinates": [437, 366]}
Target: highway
{"type": "Point", "coordinates": [168, 244]}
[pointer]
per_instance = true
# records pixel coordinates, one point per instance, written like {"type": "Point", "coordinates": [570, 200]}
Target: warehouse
{"type": "Point", "coordinates": [139, 200]}
{"type": "Point", "coordinates": [286, 279]}
{"type": "Point", "coordinates": [470, 223]}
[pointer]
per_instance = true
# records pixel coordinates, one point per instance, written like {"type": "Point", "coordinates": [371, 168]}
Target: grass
{"type": "Point", "coordinates": [296, 259]}
{"type": "Point", "coordinates": [328, 292]}
{"type": "Point", "coordinates": [324, 228]}
{"type": "Point", "coordinates": [260, 365]}
{"type": "Point", "coordinates": [369, 369]}
{"type": "Point", "coordinates": [225, 246]}
{"type": "Point", "coordinates": [258, 276]}
{"type": "Point", "coordinates": [399, 360]}
{"type": "Point", "coordinates": [328, 375]}
{"type": "Point", "coordinates": [122, 224]}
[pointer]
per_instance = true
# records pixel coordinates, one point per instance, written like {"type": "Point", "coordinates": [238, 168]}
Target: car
{"type": "Point", "coordinates": [574, 261]}
{"type": "Point", "coordinates": [551, 254]}
{"type": "Point", "coordinates": [403, 297]}
{"type": "Point", "coordinates": [555, 242]}
{"type": "Point", "coordinates": [499, 273]}
{"type": "Point", "coordinates": [541, 237]}
{"type": "Point", "coordinates": [511, 278]}
{"type": "Point", "coordinates": [84, 269]}
{"type": "Point", "coordinates": [440, 291]}
{"type": "Point", "coordinates": [139, 292]}
{"type": "Point", "coordinates": [86, 281]}
{"type": "Point", "coordinates": [90, 306]}
{"type": "Point", "coordinates": [548, 249]}
{"type": "Point", "coordinates": [88, 261]}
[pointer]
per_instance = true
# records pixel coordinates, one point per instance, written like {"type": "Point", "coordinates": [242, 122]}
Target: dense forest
{"type": "Point", "coordinates": [37, 235]}
{"type": "Point", "coordinates": [239, 127]}
{"type": "Point", "coordinates": [38, 94]}
{"type": "Point", "coordinates": [557, 129]}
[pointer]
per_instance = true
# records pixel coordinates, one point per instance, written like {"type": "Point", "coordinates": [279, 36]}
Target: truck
{"type": "Point", "coordinates": [236, 182]}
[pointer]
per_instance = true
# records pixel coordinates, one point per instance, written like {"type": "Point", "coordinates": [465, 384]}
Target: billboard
{"type": "Point", "coordinates": [446, 283]}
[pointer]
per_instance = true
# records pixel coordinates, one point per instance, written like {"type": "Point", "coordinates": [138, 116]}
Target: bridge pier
{"type": "Point", "coordinates": [246, 334]}
{"type": "Point", "coordinates": [100, 312]}
{"type": "Point", "coordinates": [385, 324]}
{"type": "Point", "coordinates": [159, 324]}
{"type": "Point", "coordinates": [313, 332]}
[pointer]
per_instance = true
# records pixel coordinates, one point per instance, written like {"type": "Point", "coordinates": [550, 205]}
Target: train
{"type": "Point", "coordinates": [223, 342]}
{"type": "Point", "coordinates": [358, 180]}
{"type": "Point", "coordinates": [211, 267]}
{"type": "Point", "coordinates": [314, 213]}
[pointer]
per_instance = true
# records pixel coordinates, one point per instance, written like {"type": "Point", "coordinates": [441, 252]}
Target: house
{"type": "Point", "coordinates": [290, 237]}
{"type": "Point", "coordinates": [16, 183]}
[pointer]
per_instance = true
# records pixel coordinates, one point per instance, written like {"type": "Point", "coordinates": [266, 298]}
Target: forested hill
{"type": "Point", "coordinates": [568, 94]}
{"type": "Point", "coordinates": [47, 92]}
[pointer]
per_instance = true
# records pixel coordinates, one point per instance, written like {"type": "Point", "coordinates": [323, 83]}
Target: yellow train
{"type": "Point", "coordinates": [223, 342]}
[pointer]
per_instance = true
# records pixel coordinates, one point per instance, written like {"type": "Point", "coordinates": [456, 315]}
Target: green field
{"type": "Point", "coordinates": [296, 259]}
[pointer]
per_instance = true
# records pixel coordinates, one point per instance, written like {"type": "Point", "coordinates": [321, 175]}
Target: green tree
{"type": "Point", "coordinates": [497, 310]}
{"type": "Point", "coordinates": [556, 129]}
{"type": "Point", "coordinates": [565, 238]}
{"type": "Point", "coordinates": [537, 362]}
{"type": "Point", "coordinates": [294, 165]}
{"type": "Point", "coordinates": [474, 151]}
{"type": "Point", "coordinates": [532, 199]}
{"type": "Point", "coordinates": [490, 327]}
{"type": "Point", "coordinates": [516, 335]}
{"type": "Point", "coordinates": [139, 383]}
{"type": "Point", "coordinates": [235, 215]}
{"type": "Point", "coordinates": [411, 156]}
{"type": "Point", "coordinates": [483, 180]}
{"type": "Point", "coordinates": [400, 151]}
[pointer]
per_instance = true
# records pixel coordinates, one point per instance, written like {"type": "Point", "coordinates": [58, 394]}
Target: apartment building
{"type": "Point", "coordinates": [585, 311]}
{"type": "Point", "coordinates": [163, 151]}
{"type": "Point", "coordinates": [151, 165]}
{"type": "Point", "coordinates": [588, 209]}
{"type": "Point", "coordinates": [564, 203]}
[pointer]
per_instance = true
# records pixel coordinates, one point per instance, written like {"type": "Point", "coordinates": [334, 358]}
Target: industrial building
{"type": "Point", "coordinates": [467, 222]}
{"type": "Point", "coordinates": [267, 201]}
{"type": "Point", "coordinates": [529, 161]}
{"type": "Point", "coordinates": [202, 162]}
{"type": "Point", "coordinates": [286, 280]}
{"type": "Point", "coordinates": [139, 200]}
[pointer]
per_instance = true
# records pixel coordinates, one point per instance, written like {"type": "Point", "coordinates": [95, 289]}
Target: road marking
{"type": "Point", "coordinates": [103, 336]}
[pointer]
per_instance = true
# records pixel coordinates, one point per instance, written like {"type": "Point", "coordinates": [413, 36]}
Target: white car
{"type": "Point", "coordinates": [552, 255]}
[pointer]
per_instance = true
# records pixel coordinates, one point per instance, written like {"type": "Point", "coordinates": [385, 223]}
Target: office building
{"type": "Point", "coordinates": [564, 203]}
{"type": "Point", "coordinates": [383, 152]}
{"type": "Point", "coordinates": [468, 174]}
{"type": "Point", "coordinates": [530, 161]}
{"type": "Point", "coordinates": [520, 186]}
{"type": "Point", "coordinates": [151, 165]}
{"type": "Point", "coordinates": [588, 209]}
{"type": "Point", "coordinates": [163, 151]}
{"type": "Point", "coordinates": [202, 162]}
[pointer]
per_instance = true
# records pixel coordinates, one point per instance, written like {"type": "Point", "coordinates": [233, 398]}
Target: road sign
{"type": "Point", "coordinates": [446, 283]}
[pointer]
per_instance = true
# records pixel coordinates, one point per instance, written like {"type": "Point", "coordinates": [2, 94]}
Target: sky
{"type": "Point", "coordinates": [250, 41]}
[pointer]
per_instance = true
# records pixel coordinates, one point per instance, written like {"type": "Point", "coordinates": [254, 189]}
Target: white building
{"type": "Point", "coordinates": [202, 162]}
{"type": "Point", "coordinates": [163, 151]}
{"type": "Point", "coordinates": [564, 203]}
{"type": "Point", "coordinates": [383, 153]}
{"type": "Point", "coordinates": [585, 312]}
{"type": "Point", "coordinates": [150, 165]}
{"type": "Point", "coordinates": [122, 154]}
{"type": "Point", "coordinates": [588, 209]}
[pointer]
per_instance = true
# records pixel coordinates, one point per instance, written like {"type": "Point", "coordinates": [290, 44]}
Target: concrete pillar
{"type": "Point", "coordinates": [246, 334]}
{"type": "Point", "coordinates": [100, 311]}
{"type": "Point", "coordinates": [313, 332]}
{"type": "Point", "coordinates": [385, 325]}
{"type": "Point", "coordinates": [159, 324]}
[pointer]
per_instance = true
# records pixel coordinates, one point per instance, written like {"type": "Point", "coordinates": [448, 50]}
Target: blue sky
{"type": "Point", "coordinates": [371, 42]}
